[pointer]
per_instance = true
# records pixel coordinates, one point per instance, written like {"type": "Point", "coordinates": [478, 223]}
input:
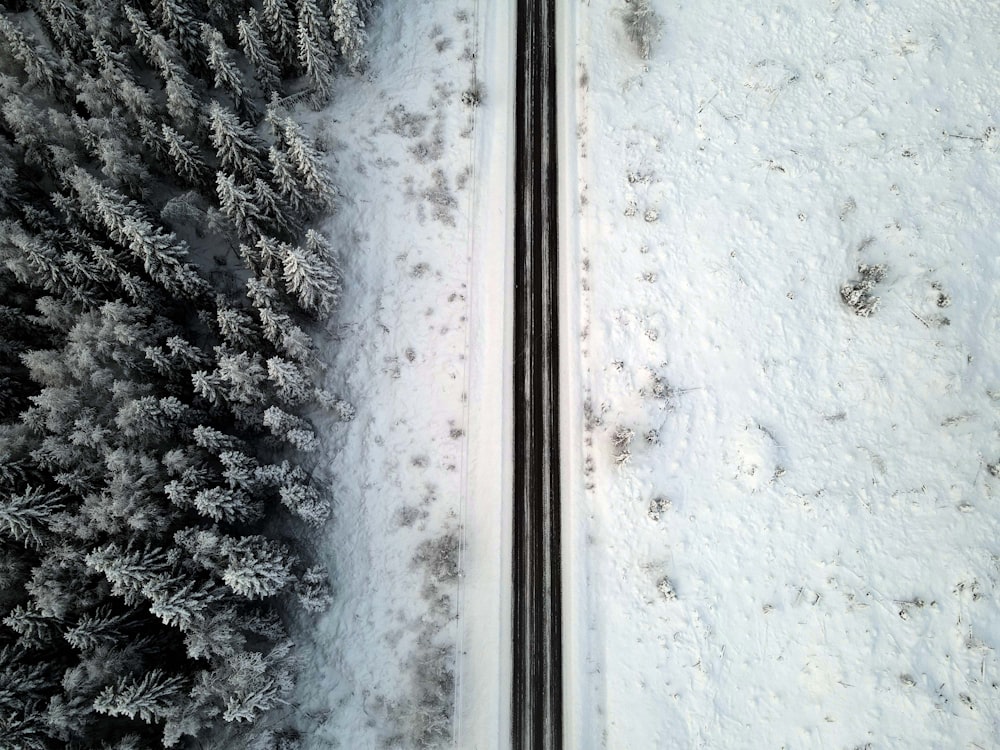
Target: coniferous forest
{"type": "Point", "coordinates": [158, 281]}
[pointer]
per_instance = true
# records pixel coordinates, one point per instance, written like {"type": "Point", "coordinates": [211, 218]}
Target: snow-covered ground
{"type": "Point", "coordinates": [784, 532]}
{"type": "Point", "coordinates": [781, 523]}
{"type": "Point", "coordinates": [417, 347]}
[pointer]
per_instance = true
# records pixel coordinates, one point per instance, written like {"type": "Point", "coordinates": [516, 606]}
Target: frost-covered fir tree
{"type": "Point", "coordinates": [225, 504]}
{"type": "Point", "coordinates": [65, 24]}
{"type": "Point", "coordinates": [39, 65]}
{"type": "Point", "coordinates": [182, 26]}
{"type": "Point", "coordinates": [256, 567]}
{"type": "Point", "coordinates": [25, 517]}
{"type": "Point", "coordinates": [294, 430]}
{"type": "Point", "coordinates": [128, 570]}
{"type": "Point", "coordinates": [186, 158]}
{"type": "Point", "coordinates": [153, 697]}
{"type": "Point", "coordinates": [236, 144]}
{"type": "Point", "coordinates": [293, 384]}
{"type": "Point", "coordinates": [289, 185]}
{"type": "Point", "coordinates": [308, 163]}
{"type": "Point", "coordinates": [227, 74]}
{"type": "Point", "coordinates": [348, 32]}
{"type": "Point", "coordinates": [306, 502]}
{"type": "Point", "coordinates": [266, 69]}
{"type": "Point", "coordinates": [279, 24]}
{"type": "Point", "coordinates": [310, 275]}
{"type": "Point", "coordinates": [315, 49]}
{"type": "Point", "coordinates": [238, 204]}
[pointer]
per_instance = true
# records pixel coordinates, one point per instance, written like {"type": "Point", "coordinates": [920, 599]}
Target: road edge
{"type": "Point", "coordinates": [570, 379]}
{"type": "Point", "coordinates": [483, 666]}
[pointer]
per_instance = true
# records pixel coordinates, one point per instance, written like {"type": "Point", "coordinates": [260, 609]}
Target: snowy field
{"type": "Point", "coordinates": [416, 347]}
{"type": "Point", "coordinates": [784, 530]}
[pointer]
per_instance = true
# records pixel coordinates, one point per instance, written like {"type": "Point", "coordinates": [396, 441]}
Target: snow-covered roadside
{"type": "Point", "coordinates": [788, 535]}
{"type": "Point", "coordinates": [416, 340]}
{"type": "Point", "coordinates": [483, 709]}
{"type": "Point", "coordinates": [577, 680]}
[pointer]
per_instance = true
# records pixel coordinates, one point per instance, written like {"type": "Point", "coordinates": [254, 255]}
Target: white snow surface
{"type": "Point", "coordinates": [801, 548]}
{"type": "Point", "coordinates": [794, 542]}
{"type": "Point", "coordinates": [417, 347]}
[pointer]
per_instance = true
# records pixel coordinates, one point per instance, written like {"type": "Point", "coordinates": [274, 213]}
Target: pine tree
{"type": "Point", "coordinates": [179, 601]}
{"type": "Point", "coordinates": [42, 133]}
{"type": "Point", "coordinates": [23, 731]}
{"type": "Point", "coordinates": [185, 355]}
{"type": "Point", "coordinates": [293, 385]}
{"type": "Point", "coordinates": [209, 385]}
{"type": "Point", "coordinates": [201, 545]}
{"type": "Point", "coordinates": [161, 253]}
{"type": "Point", "coordinates": [119, 163]}
{"type": "Point", "coordinates": [313, 590]}
{"type": "Point", "coordinates": [183, 103]}
{"type": "Point", "coordinates": [279, 22]}
{"type": "Point", "coordinates": [241, 374]}
{"type": "Point", "coordinates": [240, 470]}
{"type": "Point", "coordinates": [308, 163]}
{"type": "Point", "coordinates": [61, 587]}
{"type": "Point", "coordinates": [227, 74]}
{"type": "Point", "coordinates": [149, 419]}
{"type": "Point", "coordinates": [237, 204]}
{"type": "Point", "coordinates": [281, 330]}
{"type": "Point", "coordinates": [152, 698]}
{"type": "Point", "coordinates": [101, 627]}
{"type": "Point", "coordinates": [228, 505]}
{"type": "Point", "coordinates": [306, 503]}
{"type": "Point", "coordinates": [256, 567]}
{"type": "Point", "coordinates": [65, 25]}
{"type": "Point", "coordinates": [40, 67]}
{"type": "Point", "coordinates": [284, 175]}
{"type": "Point", "coordinates": [34, 261]}
{"type": "Point", "coordinates": [25, 517]}
{"type": "Point", "coordinates": [158, 51]}
{"type": "Point", "coordinates": [314, 51]}
{"type": "Point", "coordinates": [215, 441]}
{"type": "Point", "coordinates": [273, 210]}
{"type": "Point", "coordinates": [348, 32]}
{"type": "Point", "coordinates": [187, 160]}
{"type": "Point", "coordinates": [35, 629]}
{"type": "Point", "coordinates": [236, 145]}
{"type": "Point", "coordinates": [182, 100]}
{"type": "Point", "coordinates": [128, 570]}
{"type": "Point", "coordinates": [131, 503]}
{"type": "Point", "coordinates": [236, 327]}
{"type": "Point", "coordinates": [218, 636]}
{"type": "Point", "coordinates": [253, 683]}
{"type": "Point", "coordinates": [65, 719]}
{"type": "Point", "coordinates": [182, 26]}
{"type": "Point", "coordinates": [252, 43]}
{"type": "Point", "coordinates": [290, 428]}
{"type": "Point", "coordinates": [118, 82]}
{"type": "Point", "coordinates": [310, 276]}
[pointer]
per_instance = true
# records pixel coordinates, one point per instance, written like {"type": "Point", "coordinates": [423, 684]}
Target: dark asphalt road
{"type": "Point", "coordinates": [537, 632]}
